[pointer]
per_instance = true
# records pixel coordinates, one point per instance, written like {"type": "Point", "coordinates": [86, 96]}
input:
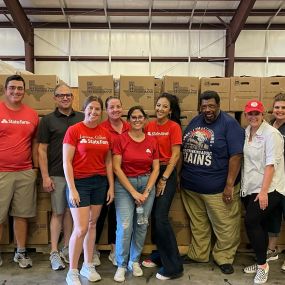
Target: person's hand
{"type": "Point", "coordinates": [74, 198]}
{"type": "Point", "coordinates": [228, 194]}
{"type": "Point", "coordinates": [160, 187]}
{"type": "Point", "coordinates": [48, 184]}
{"type": "Point", "coordinates": [139, 198]}
{"type": "Point", "coordinates": [110, 196]}
{"type": "Point", "coordinates": [262, 197]}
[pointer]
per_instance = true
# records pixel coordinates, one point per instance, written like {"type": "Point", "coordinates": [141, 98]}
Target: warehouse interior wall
{"type": "Point", "coordinates": [143, 43]}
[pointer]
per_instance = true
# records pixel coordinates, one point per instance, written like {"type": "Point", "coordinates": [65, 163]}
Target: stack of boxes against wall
{"type": "Point", "coordinates": [144, 90]}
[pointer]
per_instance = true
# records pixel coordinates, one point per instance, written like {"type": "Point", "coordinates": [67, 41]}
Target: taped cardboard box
{"type": "Point", "coordinates": [137, 90]}
{"type": "Point", "coordinates": [40, 91]}
{"type": "Point", "coordinates": [38, 228]}
{"type": "Point", "coordinates": [43, 201]}
{"type": "Point", "coordinates": [243, 89]}
{"type": "Point", "coordinates": [157, 89]}
{"type": "Point", "coordinates": [185, 88]}
{"type": "Point", "coordinates": [5, 233]}
{"type": "Point", "coordinates": [101, 86]}
{"type": "Point", "coordinates": [3, 78]}
{"type": "Point", "coordinates": [270, 87]}
{"type": "Point", "coordinates": [221, 85]}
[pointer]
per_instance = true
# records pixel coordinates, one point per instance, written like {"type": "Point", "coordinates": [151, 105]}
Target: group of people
{"type": "Point", "coordinates": [129, 171]}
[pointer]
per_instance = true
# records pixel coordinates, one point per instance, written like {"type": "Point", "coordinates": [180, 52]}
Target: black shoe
{"type": "Point", "coordinates": [187, 260]}
{"type": "Point", "coordinates": [226, 268]}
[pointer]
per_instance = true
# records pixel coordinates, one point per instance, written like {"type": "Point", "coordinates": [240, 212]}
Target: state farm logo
{"type": "Point", "coordinates": [15, 122]}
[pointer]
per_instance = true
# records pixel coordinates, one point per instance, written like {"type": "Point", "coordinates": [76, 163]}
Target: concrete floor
{"type": "Point", "coordinates": [194, 274]}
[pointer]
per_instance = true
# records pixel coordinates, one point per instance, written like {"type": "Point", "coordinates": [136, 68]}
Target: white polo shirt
{"type": "Point", "coordinates": [266, 148]}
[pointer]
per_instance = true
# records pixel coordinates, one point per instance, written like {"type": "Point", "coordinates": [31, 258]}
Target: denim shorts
{"type": "Point", "coordinates": [92, 190]}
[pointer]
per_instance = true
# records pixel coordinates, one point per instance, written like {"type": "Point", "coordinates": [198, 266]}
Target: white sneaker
{"type": "Point", "coordinates": [112, 258]}
{"type": "Point", "coordinates": [55, 261]}
{"type": "Point", "coordinates": [283, 266]}
{"type": "Point", "coordinates": [261, 275]}
{"type": "Point", "coordinates": [120, 274]}
{"type": "Point", "coordinates": [89, 271]}
{"type": "Point", "coordinates": [271, 254]}
{"type": "Point", "coordinates": [23, 259]}
{"type": "Point", "coordinates": [250, 269]}
{"type": "Point", "coordinates": [72, 277]}
{"type": "Point", "coordinates": [96, 258]}
{"type": "Point", "coordinates": [148, 263]}
{"type": "Point", "coordinates": [161, 277]}
{"type": "Point", "coordinates": [64, 254]}
{"type": "Point", "coordinates": [136, 268]}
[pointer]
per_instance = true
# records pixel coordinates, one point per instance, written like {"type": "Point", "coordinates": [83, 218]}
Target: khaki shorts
{"type": "Point", "coordinates": [58, 196]}
{"type": "Point", "coordinates": [18, 194]}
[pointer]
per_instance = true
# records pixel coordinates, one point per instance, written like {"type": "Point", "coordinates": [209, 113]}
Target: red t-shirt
{"type": "Point", "coordinates": [17, 131]}
{"type": "Point", "coordinates": [91, 148]}
{"type": "Point", "coordinates": [137, 157]}
{"type": "Point", "coordinates": [167, 135]}
{"type": "Point", "coordinates": [107, 125]}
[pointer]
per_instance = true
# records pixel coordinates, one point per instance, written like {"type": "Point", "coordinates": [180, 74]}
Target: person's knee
{"type": "Point", "coordinates": [80, 231]}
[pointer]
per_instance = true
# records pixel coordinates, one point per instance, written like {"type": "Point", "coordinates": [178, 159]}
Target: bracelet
{"type": "Point", "coordinates": [163, 178]}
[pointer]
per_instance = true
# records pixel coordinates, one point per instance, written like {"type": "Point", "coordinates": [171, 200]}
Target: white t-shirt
{"type": "Point", "coordinates": [266, 148]}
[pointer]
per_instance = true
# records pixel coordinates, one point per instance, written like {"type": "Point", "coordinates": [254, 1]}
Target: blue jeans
{"type": "Point", "coordinates": [163, 234]}
{"type": "Point", "coordinates": [130, 236]}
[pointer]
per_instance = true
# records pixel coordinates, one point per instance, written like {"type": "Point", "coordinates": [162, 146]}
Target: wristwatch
{"type": "Point", "coordinates": [163, 178]}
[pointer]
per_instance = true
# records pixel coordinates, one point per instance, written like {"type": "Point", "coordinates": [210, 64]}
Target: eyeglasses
{"type": "Point", "coordinates": [61, 96]}
{"type": "Point", "coordinates": [138, 118]}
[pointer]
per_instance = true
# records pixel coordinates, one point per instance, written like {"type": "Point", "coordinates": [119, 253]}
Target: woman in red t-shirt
{"type": "Point", "coordinates": [167, 131]}
{"type": "Point", "coordinates": [116, 126]}
{"type": "Point", "coordinates": [136, 165]}
{"type": "Point", "coordinates": [87, 163]}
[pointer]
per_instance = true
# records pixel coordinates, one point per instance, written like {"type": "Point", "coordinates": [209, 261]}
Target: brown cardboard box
{"type": "Point", "coordinates": [242, 90]}
{"type": "Point", "coordinates": [243, 122]}
{"type": "Point", "coordinates": [101, 86]}
{"type": "Point", "coordinates": [185, 88]}
{"type": "Point", "coordinates": [3, 78]}
{"type": "Point", "coordinates": [157, 89]}
{"type": "Point", "coordinates": [39, 92]}
{"type": "Point", "coordinates": [43, 201]}
{"type": "Point", "coordinates": [137, 90]}
{"type": "Point", "coordinates": [271, 86]}
{"type": "Point", "coordinates": [222, 86]}
{"type": "Point", "coordinates": [181, 226]}
{"type": "Point", "coordinates": [38, 229]}
{"type": "Point", "coordinates": [6, 233]}
{"type": "Point", "coordinates": [186, 117]}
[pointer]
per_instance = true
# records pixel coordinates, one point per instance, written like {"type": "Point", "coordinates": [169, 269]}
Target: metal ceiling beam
{"type": "Point", "coordinates": [25, 28]}
{"type": "Point", "coordinates": [143, 12]}
{"type": "Point", "coordinates": [236, 25]}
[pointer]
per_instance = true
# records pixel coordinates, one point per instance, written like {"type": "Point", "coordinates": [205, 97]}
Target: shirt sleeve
{"type": "Point", "coordinates": [175, 135]}
{"type": "Point", "coordinates": [43, 132]}
{"type": "Point", "coordinates": [70, 136]}
{"type": "Point", "coordinates": [235, 137]}
{"type": "Point", "coordinates": [273, 149]}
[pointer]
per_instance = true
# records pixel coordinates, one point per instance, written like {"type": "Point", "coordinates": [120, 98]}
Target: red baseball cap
{"type": "Point", "coordinates": [254, 105]}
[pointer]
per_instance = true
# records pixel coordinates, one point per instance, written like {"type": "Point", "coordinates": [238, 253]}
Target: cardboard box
{"type": "Point", "coordinates": [40, 91]}
{"type": "Point", "coordinates": [3, 78]}
{"type": "Point", "coordinates": [137, 90]}
{"type": "Point", "coordinates": [43, 201]}
{"type": "Point", "coordinates": [157, 89]}
{"type": "Point", "coordinates": [38, 232]}
{"type": "Point", "coordinates": [243, 122]}
{"type": "Point", "coordinates": [185, 88]}
{"type": "Point", "coordinates": [270, 87]}
{"type": "Point", "coordinates": [242, 90]}
{"type": "Point", "coordinates": [5, 233]}
{"type": "Point", "coordinates": [101, 86]}
{"type": "Point", "coordinates": [222, 86]}
{"type": "Point", "coordinates": [186, 117]}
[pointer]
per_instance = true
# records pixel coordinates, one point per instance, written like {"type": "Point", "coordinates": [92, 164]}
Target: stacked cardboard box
{"type": "Point", "coordinates": [185, 88]}
{"type": "Point", "coordinates": [242, 90]}
{"type": "Point", "coordinates": [222, 86]}
{"type": "Point", "coordinates": [137, 90]}
{"type": "Point", "coordinates": [271, 86]}
{"type": "Point", "coordinates": [101, 86]}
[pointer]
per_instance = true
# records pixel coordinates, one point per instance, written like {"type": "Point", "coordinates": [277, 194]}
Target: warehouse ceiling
{"type": "Point", "coordinates": [145, 14]}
